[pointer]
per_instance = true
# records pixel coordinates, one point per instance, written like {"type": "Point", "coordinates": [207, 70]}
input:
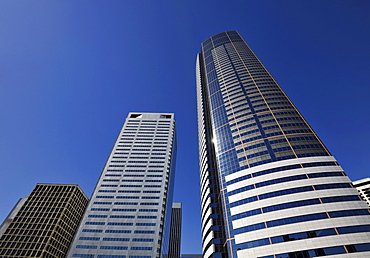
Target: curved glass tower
{"type": "Point", "coordinates": [269, 186]}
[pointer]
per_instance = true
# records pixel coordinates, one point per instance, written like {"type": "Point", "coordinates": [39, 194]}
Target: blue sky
{"type": "Point", "coordinates": [70, 71]}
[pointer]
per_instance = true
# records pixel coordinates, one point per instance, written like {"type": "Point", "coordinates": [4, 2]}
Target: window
{"type": "Point", "coordinates": [142, 240]}
{"type": "Point", "coordinates": [90, 238]}
{"type": "Point", "coordinates": [87, 246]}
{"type": "Point", "coordinates": [127, 197]}
{"type": "Point", "coordinates": [141, 248]}
{"type": "Point", "coordinates": [120, 224]}
{"type": "Point", "coordinates": [125, 203]}
{"type": "Point", "coordinates": [145, 224]}
{"type": "Point", "coordinates": [93, 230]}
{"type": "Point", "coordinates": [116, 239]}
{"type": "Point", "coordinates": [149, 203]}
{"type": "Point", "coordinates": [118, 231]}
{"type": "Point", "coordinates": [94, 223]}
{"type": "Point", "coordinates": [128, 210]}
{"type": "Point", "coordinates": [144, 231]}
{"type": "Point", "coordinates": [114, 247]}
{"type": "Point", "coordinates": [122, 216]}
{"type": "Point", "coordinates": [103, 203]}
{"type": "Point", "coordinates": [148, 210]}
{"type": "Point", "coordinates": [111, 256]}
{"type": "Point", "coordinates": [97, 216]}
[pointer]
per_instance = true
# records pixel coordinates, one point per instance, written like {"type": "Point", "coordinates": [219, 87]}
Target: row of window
{"type": "Point", "coordinates": [124, 210]}
{"type": "Point", "coordinates": [131, 142]}
{"type": "Point", "coordinates": [134, 175]}
{"type": "Point", "coordinates": [126, 203]}
{"type": "Point", "coordinates": [132, 180]}
{"type": "Point", "coordinates": [119, 239]}
{"type": "Point", "coordinates": [285, 179]}
{"type": "Point", "coordinates": [323, 251]}
{"type": "Point", "coordinates": [290, 191]}
{"type": "Point", "coordinates": [302, 218]}
{"type": "Point", "coordinates": [116, 231]}
{"type": "Point", "coordinates": [295, 204]}
{"type": "Point", "coordinates": [302, 235]}
{"type": "Point", "coordinates": [115, 256]}
{"type": "Point", "coordinates": [129, 197]}
{"type": "Point", "coordinates": [99, 223]}
{"type": "Point", "coordinates": [147, 186]}
{"type": "Point", "coordinates": [137, 161]}
{"type": "Point", "coordinates": [134, 157]}
{"type": "Point", "coordinates": [121, 216]}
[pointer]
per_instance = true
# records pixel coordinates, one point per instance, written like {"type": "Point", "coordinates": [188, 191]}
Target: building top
{"type": "Point", "coordinates": [176, 205]}
{"type": "Point", "coordinates": [77, 186]}
{"type": "Point", "coordinates": [142, 115]}
{"type": "Point", "coordinates": [361, 182]}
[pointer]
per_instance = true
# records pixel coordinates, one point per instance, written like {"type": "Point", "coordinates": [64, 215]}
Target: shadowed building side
{"type": "Point", "coordinates": [175, 235]}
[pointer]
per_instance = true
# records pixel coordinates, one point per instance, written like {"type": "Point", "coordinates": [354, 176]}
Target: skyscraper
{"type": "Point", "coordinates": [45, 223]}
{"type": "Point", "coordinates": [129, 213]}
{"type": "Point", "coordinates": [269, 186]}
{"type": "Point", "coordinates": [175, 235]}
{"type": "Point", "coordinates": [363, 187]}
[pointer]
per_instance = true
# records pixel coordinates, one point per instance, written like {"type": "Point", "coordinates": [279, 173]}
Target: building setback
{"type": "Point", "coordinates": [363, 186]}
{"type": "Point", "coordinates": [45, 223]}
{"type": "Point", "coordinates": [266, 177]}
{"type": "Point", "coordinates": [12, 215]}
{"type": "Point", "coordinates": [175, 235]}
{"type": "Point", "coordinates": [129, 213]}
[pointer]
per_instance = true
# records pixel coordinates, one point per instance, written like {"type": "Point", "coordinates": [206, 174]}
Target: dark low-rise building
{"type": "Point", "coordinates": [45, 224]}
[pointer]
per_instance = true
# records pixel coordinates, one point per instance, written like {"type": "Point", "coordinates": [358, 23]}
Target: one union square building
{"type": "Point", "coordinates": [269, 186]}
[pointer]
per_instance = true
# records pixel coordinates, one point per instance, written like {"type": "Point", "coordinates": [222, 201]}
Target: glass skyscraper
{"type": "Point", "coordinates": [129, 213]}
{"type": "Point", "coordinates": [269, 186]}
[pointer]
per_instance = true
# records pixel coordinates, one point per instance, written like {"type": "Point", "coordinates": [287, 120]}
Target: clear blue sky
{"type": "Point", "coordinates": [70, 71]}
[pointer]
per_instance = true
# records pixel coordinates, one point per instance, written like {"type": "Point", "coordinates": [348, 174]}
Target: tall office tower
{"type": "Point", "coordinates": [175, 235]}
{"type": "Point", "coordinates": [363, 186]}
{"type": "Point", "coordinates": [129, 213]}
{"type": "Point", "coordinates": [46, 222]}
{"type": "Point", "coordinates": [265, 174]}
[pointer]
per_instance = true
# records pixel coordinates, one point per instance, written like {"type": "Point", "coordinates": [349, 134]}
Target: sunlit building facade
{"type": "Point", "coordinates": [44, 223]}
{"type": "Point", "coordinates": [129, 213]}
{"type": "Point", "coordinates": [363, 187]}
{"type": "Point", "coordinates": [269, 186]}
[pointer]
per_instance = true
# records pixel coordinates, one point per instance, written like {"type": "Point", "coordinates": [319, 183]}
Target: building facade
{"type": "Point", "coordinates": [13, 213]}
{"type": "Point", "coordinates": [269, 186]}
{"type": "Point", "coordinates": [129, 213]}
{"type": "Point", "coordinates": [175, 235]}
{"type": "Point", "coordinates": [363, 187]}
{"type": "Point", "coordinates": [45, 223]}
{"type": "Point", "coordinates": [191, 256]}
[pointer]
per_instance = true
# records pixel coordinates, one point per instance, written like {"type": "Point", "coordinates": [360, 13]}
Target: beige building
{"type": "Point", "coordinates": [45, 224]}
